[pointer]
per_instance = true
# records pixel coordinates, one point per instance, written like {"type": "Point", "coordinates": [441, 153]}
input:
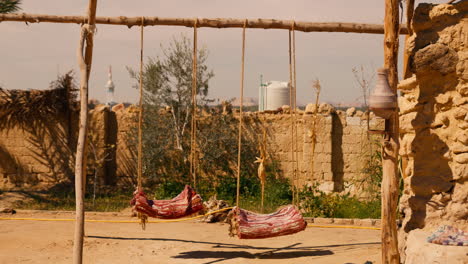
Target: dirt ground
{"type": "Point", "coordinates": [183, 242]}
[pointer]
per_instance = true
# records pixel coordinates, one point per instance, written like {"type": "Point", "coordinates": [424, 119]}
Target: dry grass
{"type": "Point", "coordinates": [21, 107]}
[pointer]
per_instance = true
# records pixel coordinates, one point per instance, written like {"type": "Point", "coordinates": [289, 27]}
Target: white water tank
{"type": "Point", "coordinates": [276, 95]}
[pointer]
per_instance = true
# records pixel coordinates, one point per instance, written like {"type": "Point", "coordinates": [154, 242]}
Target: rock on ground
{"type": "Point", "coordinates": [418, 251]}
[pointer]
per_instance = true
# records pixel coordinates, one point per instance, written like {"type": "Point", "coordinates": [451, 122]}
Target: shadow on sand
{"type": "Point", "coordinates": [289, 252]}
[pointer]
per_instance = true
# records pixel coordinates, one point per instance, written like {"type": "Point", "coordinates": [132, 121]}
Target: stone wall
{"type": "Point", "coordinates": [341, 148]}
{"type": "Point", "coordinates": [352, 149]}
{"type": "Point", "coordinates": [434, 122]}
{"type": "Point", "coordinates": [280, 142]}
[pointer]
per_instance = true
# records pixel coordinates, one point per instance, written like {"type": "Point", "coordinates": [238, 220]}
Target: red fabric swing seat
{"type": "Point", "coordinates": [249, 225]}
{"type": "Point", "coordinates": [186, 203]}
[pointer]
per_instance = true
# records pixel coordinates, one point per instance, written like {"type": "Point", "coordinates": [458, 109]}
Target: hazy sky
{"type": "Point", "coordinates": [32, 56]}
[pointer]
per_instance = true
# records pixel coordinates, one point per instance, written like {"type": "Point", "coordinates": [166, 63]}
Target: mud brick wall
{"type": "Point", "coordinates": [126, 124]}
{"type": "Point", "coordinates": [341, 152]}
{"type": "Point", "coordinates": [353, 147]}
{"type": "Point", "coordinates": [38, 155]}
{"type": "Point", "coordinates": [342, 147]}
{"type": "Point", "coordinates": [102, 148]}
{"type": "Point", "coordinates": [279, 142]}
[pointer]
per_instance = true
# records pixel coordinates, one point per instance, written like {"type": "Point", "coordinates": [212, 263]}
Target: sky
{"type": "Point", "coordinates": [31, 56]}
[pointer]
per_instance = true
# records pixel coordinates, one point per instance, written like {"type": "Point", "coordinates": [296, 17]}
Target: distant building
{"type": "Point", "coordinates": [110, 90]}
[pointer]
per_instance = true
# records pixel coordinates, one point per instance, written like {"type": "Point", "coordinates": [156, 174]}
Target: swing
{"type": "Point", "coordinates": [188, 201]}
{"type": "Point", "coordinates": [249, 225]}
{"type": "Point", "coordinates": [287, 220]}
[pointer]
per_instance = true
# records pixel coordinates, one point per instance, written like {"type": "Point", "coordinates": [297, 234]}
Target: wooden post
{"type": "Point", "coordinates": [86, 36]}
{"type": "Point", "coordinates": [390, 181]}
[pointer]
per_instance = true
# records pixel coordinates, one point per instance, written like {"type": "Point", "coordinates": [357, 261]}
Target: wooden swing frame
{"type": "Point", "coordinates": [391, 29]}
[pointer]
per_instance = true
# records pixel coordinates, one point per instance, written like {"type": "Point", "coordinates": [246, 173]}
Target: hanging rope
{"type": "Point", "coordinates": [240, 116]}
{"type": "Point", "coordinates": [296, 148]}
{"type": "Point", "coordinates": [193, 136]}
{"type": "Point", "coordinates": [140, 115]}
{"type": "Point", "coordinates": [292, 112]}
{"type": "Point", "coordinates": [143, 218]}
{"type": "Point", "coordinates": [291, 107]}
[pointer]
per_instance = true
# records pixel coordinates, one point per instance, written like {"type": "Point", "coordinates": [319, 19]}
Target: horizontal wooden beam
{"type": "Point", "coordinates": [206, 22]}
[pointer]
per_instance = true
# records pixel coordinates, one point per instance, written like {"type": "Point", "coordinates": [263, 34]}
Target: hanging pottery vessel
{"type": "Point", "coordinates": [383, 101]}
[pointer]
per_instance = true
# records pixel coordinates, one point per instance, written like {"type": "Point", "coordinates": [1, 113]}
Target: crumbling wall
{"type": "Point", "coordinates": [434, 120]}
{"type": "Point", "coordinates": [101, 151]}
{"type": "Point", "coordinates": [341, 148]}
{"type": "Point", "coordinates": [334, 147]}
{"type": "Point", "coordinates": [36, 156]}
{"type": "Point", "coordinates": [125, 127]}
{"type": "Point", "coordinates": [280, 142]}
{"type": "Point", "coordinates": [354, 151]}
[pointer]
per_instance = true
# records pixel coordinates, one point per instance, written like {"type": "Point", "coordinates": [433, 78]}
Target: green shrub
{"type": "Point", "coordinates": [351, 207]}
{"type": "Point", "coordinates": [316, 203]}
{"type": "Point", "coordinates": [167, 190]}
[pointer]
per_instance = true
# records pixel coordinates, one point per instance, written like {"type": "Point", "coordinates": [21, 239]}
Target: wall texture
{"type": "Point", "coordinates": [37, 156]}
{"type": "Point", "coordinates": [342, 147]}
{"type": "Point", "coordinates": [341, 152]}
{"type": "Point", "coordinates": [434, 121]}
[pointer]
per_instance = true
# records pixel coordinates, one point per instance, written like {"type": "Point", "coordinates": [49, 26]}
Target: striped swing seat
{"type": "Point", "coordinates": [249, 225]}
{"type": "Point", "coordinates": [186, 203]}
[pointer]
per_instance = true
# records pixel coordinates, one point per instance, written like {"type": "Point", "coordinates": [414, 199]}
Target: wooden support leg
{"type": "Point", "coordinates": [390, 150]}
{"type": "Point", "coordinates": [86, 37]}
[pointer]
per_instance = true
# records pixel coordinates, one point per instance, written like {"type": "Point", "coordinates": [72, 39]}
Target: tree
{"type": "Point", "coordinates": [167, 82]}
{"type": "Point", "coordinates": [9, 6]}
{"type": "Point", "coordinates": [365, 80]}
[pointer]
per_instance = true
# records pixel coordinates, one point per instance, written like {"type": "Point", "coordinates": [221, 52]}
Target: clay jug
{"type": "Point", "coordinates": [383, 102]}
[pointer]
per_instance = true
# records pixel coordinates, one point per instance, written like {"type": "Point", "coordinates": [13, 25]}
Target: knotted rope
{"type": "Point", "coordinates": [240, 115]}
{"type": "Point", "coordinates": [292, 112]}
{"type": "Point", "coordinates": [296, 170]}
{"type": "Point", "coordinates": [193, 136]}
{"type": "Point", "coordinates": [143, 218]}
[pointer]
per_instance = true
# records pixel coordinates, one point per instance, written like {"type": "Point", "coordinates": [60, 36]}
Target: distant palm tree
{"type": "Point", "coordinates": [9, 6]}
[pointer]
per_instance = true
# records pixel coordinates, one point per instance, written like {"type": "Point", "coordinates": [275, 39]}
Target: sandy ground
{"type": "Point", "coordinates": [184, 242]}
